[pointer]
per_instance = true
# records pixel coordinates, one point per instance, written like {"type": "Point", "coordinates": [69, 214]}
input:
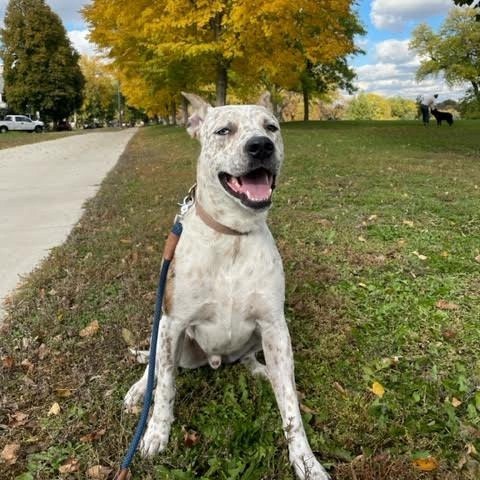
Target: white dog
{"type": "Point", "coordinates": [224, 299]}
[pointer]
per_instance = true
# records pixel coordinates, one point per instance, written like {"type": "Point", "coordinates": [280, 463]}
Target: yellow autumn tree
{"type": "Point", "coordinates": [246, 41]}
{"type": "Point", "coordinates": [100, 92]}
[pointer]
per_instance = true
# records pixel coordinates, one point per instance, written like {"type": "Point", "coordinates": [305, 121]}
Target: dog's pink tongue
{"type": "Point", "coordinates": [256, 187]}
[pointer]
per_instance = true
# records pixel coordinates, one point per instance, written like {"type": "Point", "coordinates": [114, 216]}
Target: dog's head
{"type": "Point", "coordinates": [242, 152]}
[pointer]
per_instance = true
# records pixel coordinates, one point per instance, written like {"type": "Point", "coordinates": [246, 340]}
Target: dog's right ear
{"type": "Point", "coordinates": [200, 109]}
{"type": "Point", "coordinates": [265, 100]}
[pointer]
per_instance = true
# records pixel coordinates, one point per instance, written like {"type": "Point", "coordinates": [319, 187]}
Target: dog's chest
{"type": "Point", "coordinates": [228, 286]}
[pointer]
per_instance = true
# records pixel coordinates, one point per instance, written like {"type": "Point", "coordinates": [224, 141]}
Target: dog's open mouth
{"type": "Point", "coordinates": [254, 189]}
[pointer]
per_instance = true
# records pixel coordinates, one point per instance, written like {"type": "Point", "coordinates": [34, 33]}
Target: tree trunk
{"type": "Point", "coordinates": [174, 112]}
{"type": "Point", "coordinates": [476, 90]}
{"type": "Point", "coordinates": [306, 105]}
{"type": "Point", "coordinates": [185, 110]}
{"type": "Point", "coordinates": [222, 74]}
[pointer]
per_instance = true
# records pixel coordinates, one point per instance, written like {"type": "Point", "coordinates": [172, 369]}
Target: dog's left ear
{"type": "Point", "coordinates": [265, 100]}
{"type": "Point", "coordinates": [200, 109]}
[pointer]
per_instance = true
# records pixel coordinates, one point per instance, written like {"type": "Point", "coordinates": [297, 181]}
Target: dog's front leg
{"type": "Point", "coordinates": [278, 354]}
{"type": "Point", "coordinates": [156, 436]}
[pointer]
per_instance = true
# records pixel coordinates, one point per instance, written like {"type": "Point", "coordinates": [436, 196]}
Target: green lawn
{"type": "Point", "coordinates": [378, 224]}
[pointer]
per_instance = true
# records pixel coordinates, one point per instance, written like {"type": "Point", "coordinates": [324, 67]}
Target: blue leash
{"type": "Point", "coordinates": [168, 253]}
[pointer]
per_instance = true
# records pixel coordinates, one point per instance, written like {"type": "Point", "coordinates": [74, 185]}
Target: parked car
{"type": "Point", "coordinates": [20, 123]}
{"type": "Point", "coordinates": [63, 126]}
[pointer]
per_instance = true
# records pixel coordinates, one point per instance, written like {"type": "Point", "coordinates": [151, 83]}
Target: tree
{"type": "Point", "coordinates": [403, 109]}
{"type": "Point", "coordinates": [41, 70]}
{"type": "Point", "coordinates": [454, 51]}
{"type": "Point", "coordinates": [221, 41]}
{"type": "Point", "coordinates": [470, 3]}
{"type": "Point", "coordinates": [100, 93]}
{"type": "Point", "coordinates": [369, 106]}
{"type": "Point", "coordinates": [323, 78]}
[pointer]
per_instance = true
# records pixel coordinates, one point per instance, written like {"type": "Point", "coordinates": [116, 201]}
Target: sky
{"type": "Point", "coordinates": [388, 67]}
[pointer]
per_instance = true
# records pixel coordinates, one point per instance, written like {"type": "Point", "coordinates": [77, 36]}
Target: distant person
{"type": "Point", "coordinates": [428, 103]}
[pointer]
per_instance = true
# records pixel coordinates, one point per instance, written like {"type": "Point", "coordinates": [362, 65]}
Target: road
{"type": "Point", "coordinates": [43, 187]}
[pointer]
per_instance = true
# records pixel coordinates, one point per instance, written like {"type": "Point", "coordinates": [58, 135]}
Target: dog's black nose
{"type": "Point", "coordinates": [260, 148]}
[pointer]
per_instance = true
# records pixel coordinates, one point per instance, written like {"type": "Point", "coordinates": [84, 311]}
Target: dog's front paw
{"type": "Point", "coordinates": [135, 395]}
{"type": "Point", "coordinates": [308, 468]}
{"type": "Point", "coordinates": [155, 439]}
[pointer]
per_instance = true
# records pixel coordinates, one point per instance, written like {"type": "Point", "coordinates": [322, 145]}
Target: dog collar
{"type": "Point", "coordinates": [213, 224]}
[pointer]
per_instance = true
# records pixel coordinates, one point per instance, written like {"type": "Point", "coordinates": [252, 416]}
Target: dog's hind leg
{"type": "Point", "coordinates": [256, 368]}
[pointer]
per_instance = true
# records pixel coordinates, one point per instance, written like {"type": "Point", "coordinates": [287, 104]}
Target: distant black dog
{"type": "Point", "coordinates": [439, 116]}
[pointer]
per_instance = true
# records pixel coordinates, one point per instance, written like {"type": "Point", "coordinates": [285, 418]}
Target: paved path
{"type": "Point", "coordinates": [42, 189]}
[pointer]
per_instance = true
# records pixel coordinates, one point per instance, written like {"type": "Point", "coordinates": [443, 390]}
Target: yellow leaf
{"type": "Point", "coordinates": [90, 329]}
{"type": "Point", "coordinates": [128, 337]}
{"type": "Point", "coordinates": [419, 255]}
{"type": "Point", "coordinates": [428, 464]}
{"type": "Point", "coordinates": [54, 409]}
{"type": "Point", "coordinates": [377, 389]}
{"type": "Point", "coordinates": [456, 402]}
{"type": "Point", "coordinates": [64, 392]}
{"type": "Point", "coordinates": [409, 223]}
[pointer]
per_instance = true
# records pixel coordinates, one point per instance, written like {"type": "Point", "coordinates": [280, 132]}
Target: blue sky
{"type": "Point", "coordinates": [387, 68]}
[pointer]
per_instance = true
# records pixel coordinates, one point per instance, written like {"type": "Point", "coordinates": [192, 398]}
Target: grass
{"type": "Point", "coordinates": [378, 225]}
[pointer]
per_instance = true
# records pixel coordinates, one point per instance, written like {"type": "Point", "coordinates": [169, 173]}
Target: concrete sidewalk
{"type": "Point", "coordinates": [42, 189]}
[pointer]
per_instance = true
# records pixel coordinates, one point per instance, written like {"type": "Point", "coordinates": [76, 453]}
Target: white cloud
{"type": "Point", "coordinates": [80, 42]}
{"type": "Point", "coordinates": [394, 51]}
{"type": "Point", "coordinates": [393, 73]}
{"type": "Point", "coordinates": [394, 14]}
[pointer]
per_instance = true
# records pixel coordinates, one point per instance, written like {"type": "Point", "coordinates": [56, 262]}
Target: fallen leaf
{"type": "Point", "coordinates": [98, 472]}
{"type": "Point", "coordinates": [54, 409]}
{"type": "Point", "coordinates": [361, 239]}
{"type": "Point", "coordinates": [456, 402]}
{"type": "Point", "coordinates": [428, 464]}
{"type": "Point", "coordinates": [190, 437]}
{"type": "Point", "coordinates": [91, 437]}
{"type": "Point", "coordinates": [90, 330]}
{"type": "Point", "coordinates": [63, 392]}
{"type": "Point", "coordinates": [10, 453]}
{"type": "Point", "coordinates": [72, 465]}
{"type": "Point", "coordinates": [43, 351]}
{"type": "Point", "coordinates": [446, 305]}
{"type": "Point", "coordinates": [8, 362]}
{"type": "Point", "coordinates": [445, 254]}
{"type": "Point", "coordinates": [128, 337]}
{"type": "Point", "coordinates": [339, 388]}
{"type": "Point", "coordinates": [408, 223]}
{"type": "Point", "coordinates": [28, 365]}
{"type": "Point", "coordinates": [305, 409]}
{"type": "Point", "coordinates": [419, 255]}
{"type": "Point", "coordinates": [372, 217]}
{"type": "Point", "coordinates": [477, 258]}
{"type": "Point", "coordinates": [377, 389]}
{"type": "Point", "coordinates": [18, 419]}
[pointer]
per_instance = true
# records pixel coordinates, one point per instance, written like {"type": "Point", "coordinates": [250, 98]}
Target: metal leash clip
{"type": "Point", "coordinates": [186, 204]}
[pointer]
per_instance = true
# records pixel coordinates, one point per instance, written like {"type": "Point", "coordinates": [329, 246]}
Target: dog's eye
{"type": "Point", "coordinates": [223, 131]}
{"type": "Point", "coordinates": [272, 128]}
